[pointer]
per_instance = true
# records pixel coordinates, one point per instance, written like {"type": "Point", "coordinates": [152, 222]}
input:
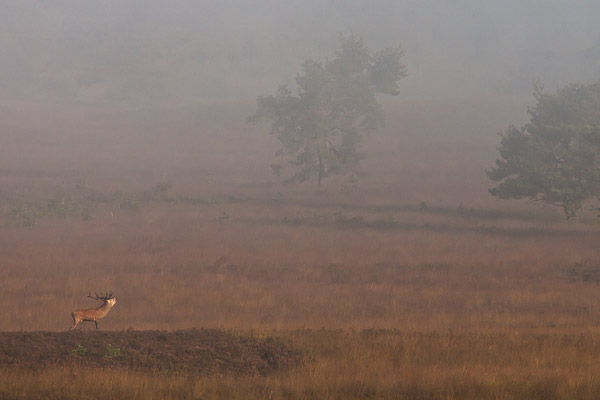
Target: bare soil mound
{"type": "Point", "coordinates": [197, 352]}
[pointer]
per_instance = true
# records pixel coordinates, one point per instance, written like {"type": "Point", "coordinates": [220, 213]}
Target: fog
{"type": "Point", "coordinates": [148, 52]}
{"type": "Point", "coordinates": [136, 158]}
{"type": "Point", "coordinates": [124, 94]}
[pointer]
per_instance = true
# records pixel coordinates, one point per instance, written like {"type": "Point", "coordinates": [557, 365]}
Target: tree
{"type": "Point", "coordinates": [320, 128]}
{"type": "Point", "coordinates": [555, 158]}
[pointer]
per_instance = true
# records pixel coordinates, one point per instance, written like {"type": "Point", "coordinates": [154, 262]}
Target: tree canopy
{"type": "Point", "coordinates": [321, 125]}
{"type": "Point", "coordinates": [555, 158]}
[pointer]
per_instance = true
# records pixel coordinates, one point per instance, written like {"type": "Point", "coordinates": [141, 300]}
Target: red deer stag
{"type": "Point", "coordinates": [94, 314]}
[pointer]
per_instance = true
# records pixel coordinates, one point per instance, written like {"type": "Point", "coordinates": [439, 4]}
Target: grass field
{"type": "Point", "coordinates": [416, 284]}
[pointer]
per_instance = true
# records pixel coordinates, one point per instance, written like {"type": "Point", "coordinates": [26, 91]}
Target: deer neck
{"type": "Point", "coordinates": [104, 307]}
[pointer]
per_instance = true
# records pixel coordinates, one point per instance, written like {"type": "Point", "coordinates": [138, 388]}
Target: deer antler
{"type": "Point", "coordinates": [107, 296]}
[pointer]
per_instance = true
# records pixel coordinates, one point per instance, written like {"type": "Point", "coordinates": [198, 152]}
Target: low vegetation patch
{"type": "Point", "coordinates": [198, 352]}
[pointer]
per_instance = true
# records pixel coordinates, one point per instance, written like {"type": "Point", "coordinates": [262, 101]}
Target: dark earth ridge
{"type": "Point", "coordinates": [203, 352]}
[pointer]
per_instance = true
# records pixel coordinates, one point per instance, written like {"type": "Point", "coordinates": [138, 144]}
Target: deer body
{"type": "Point", "coordinates": [94, 314]}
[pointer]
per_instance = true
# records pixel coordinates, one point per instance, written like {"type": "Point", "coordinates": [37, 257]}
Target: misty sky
{"type": "Point", "coordinates": [142, 52]}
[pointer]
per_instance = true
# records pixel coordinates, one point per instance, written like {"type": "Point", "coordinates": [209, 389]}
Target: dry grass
{"type": "Point", "coordinates": [478, 315]}
{"type": "Point", "coordinates": [368, 364]}
{"type": "Point", "coordinates": [176, 267]}
{"type": "Point", "coordinates": [489, 301]}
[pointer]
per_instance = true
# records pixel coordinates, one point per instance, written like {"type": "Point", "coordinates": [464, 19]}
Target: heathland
{"type": "Point", "coordinates": [415, 283]}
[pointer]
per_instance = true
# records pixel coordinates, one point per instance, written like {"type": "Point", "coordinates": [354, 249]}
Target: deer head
{"type": "Point", "coordinates": [107, 298]}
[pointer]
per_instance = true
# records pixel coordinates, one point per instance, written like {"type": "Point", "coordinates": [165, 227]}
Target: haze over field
{"type": "Point", "coordinates": [148, 52]}
{"type": "Point", "coordinates": [125, 87]}
{"type": "Point", "coordinates": [136, 160]}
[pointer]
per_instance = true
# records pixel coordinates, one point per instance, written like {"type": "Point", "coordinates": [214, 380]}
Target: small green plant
{"type": "Point", "coordinates": [112, 352]}
{"type": "Point", "coordinates": [79, 350]}
{"type": "Point", "coordinates": [125, 201]}
{"type": "Point", "coordinates": [162, 187]}
{"type": "Point", "coordinates": [63, 206]}
{"type": "Point", "coordinates": [223, 217]}
{"type": "Point", "coordinates": [23, 213]}
{"type": "Point", "coordinates": [81, 185]}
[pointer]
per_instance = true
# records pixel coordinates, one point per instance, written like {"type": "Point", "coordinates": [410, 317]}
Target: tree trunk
{"type": "Point", "coordinates": [321, 170]}
{"type": "Point", "coordinates": [571, 208]}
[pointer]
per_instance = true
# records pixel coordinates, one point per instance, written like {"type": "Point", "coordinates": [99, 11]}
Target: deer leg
{"type": "Point", "coordinates": [96, 322]}
{"type": "Point", "coordinates": [74, 322]}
